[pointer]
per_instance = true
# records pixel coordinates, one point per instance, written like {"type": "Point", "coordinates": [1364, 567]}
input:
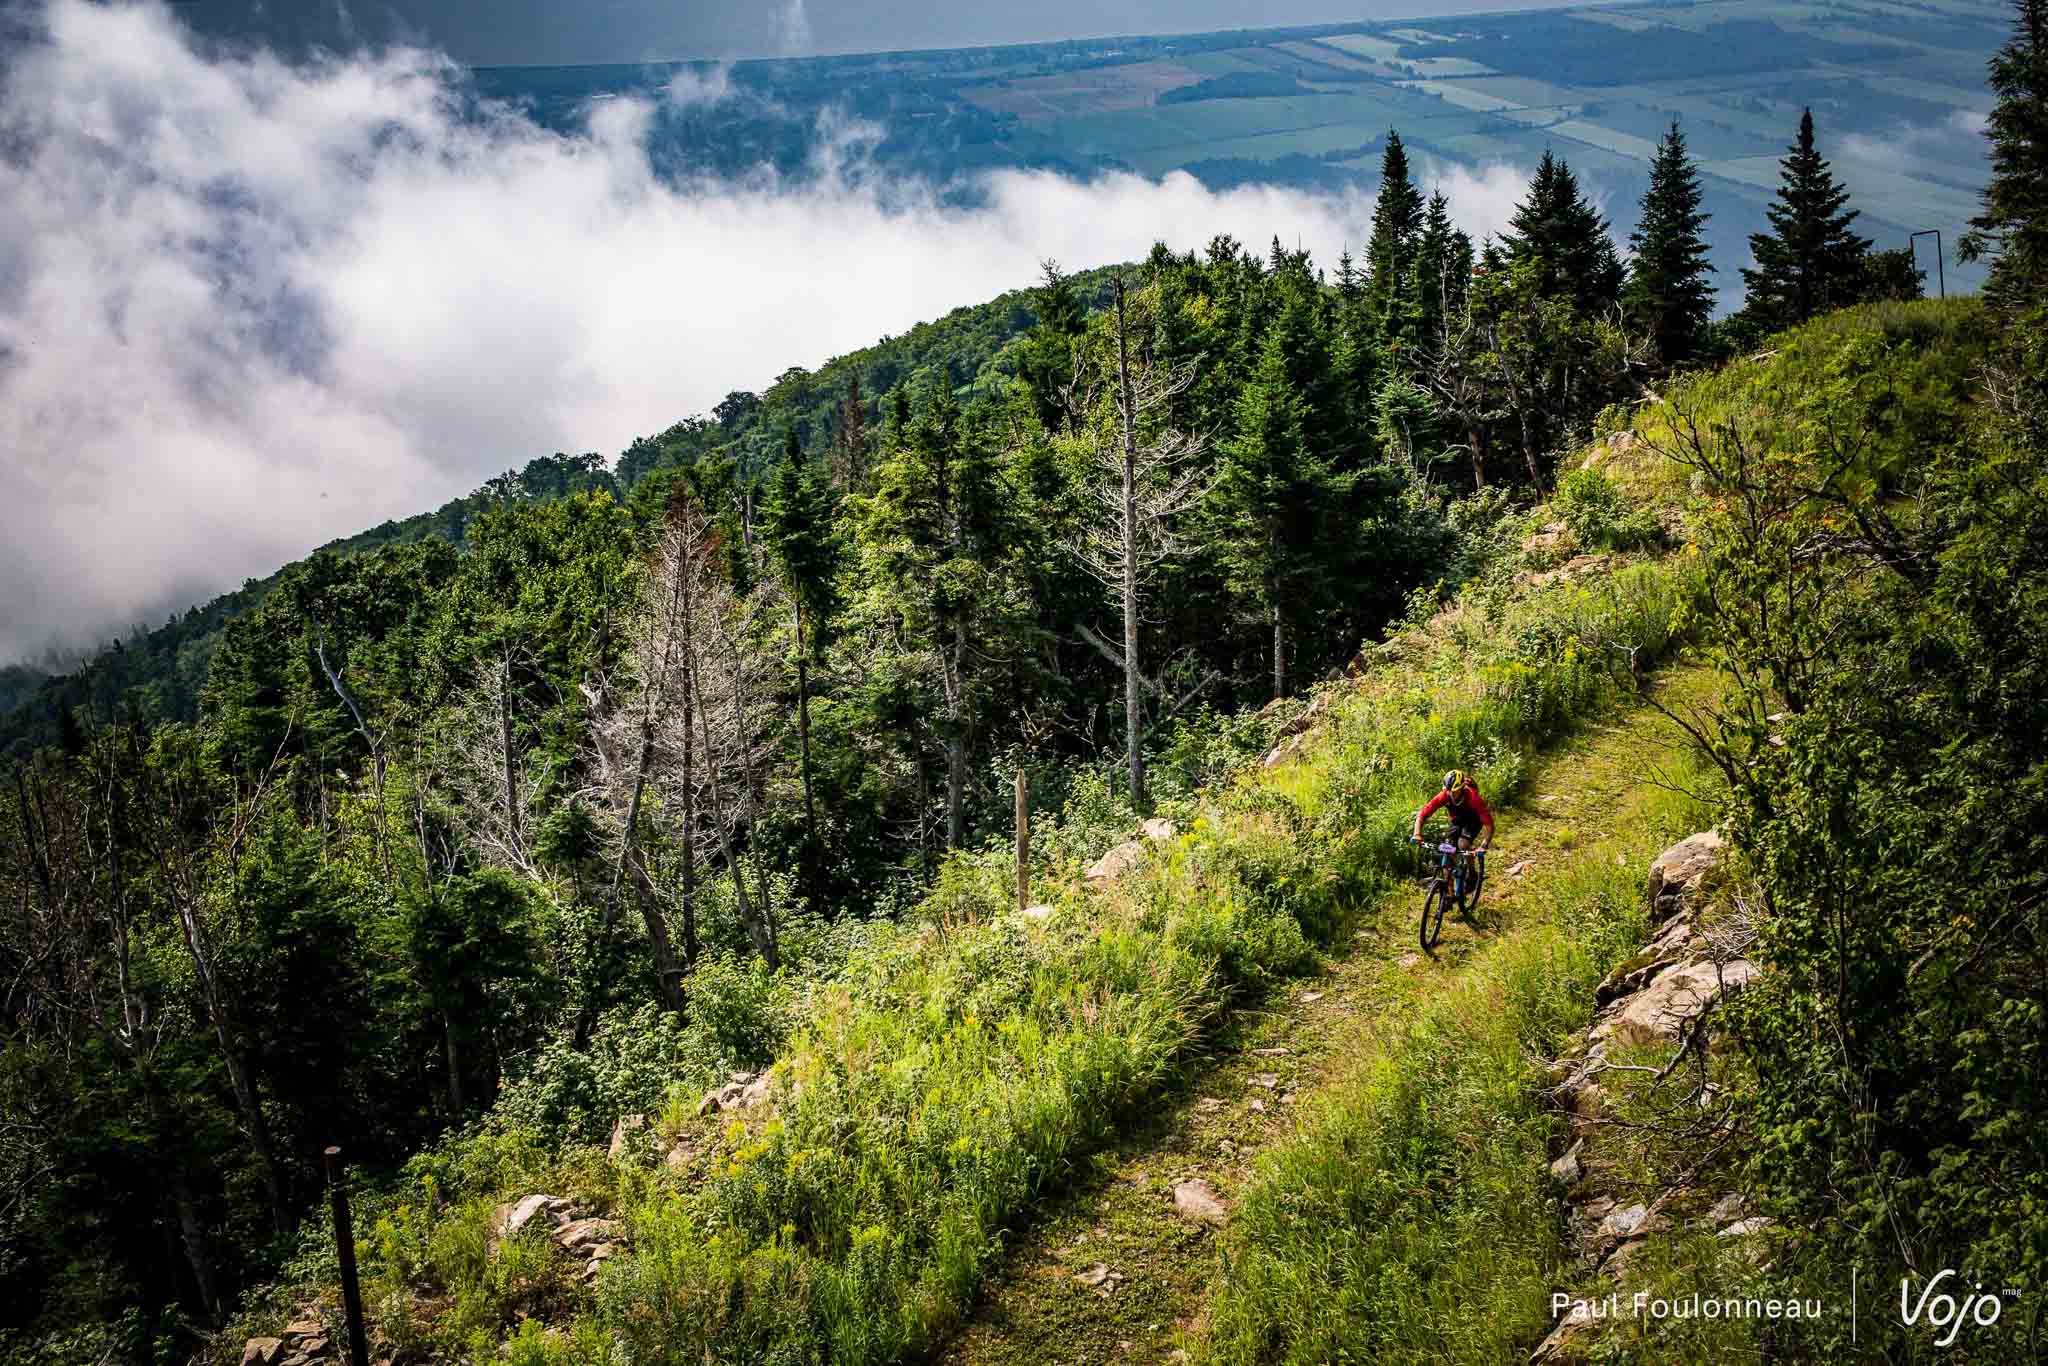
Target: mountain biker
{"type": "Point", "coordinates": [1460, 800]}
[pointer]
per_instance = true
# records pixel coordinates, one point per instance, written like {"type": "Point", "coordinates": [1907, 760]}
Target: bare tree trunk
{"type": "Point", "coordinates": [956, 740]}
{"type": "Point", "coordinates": [1475, 437]}
{"type": "Point", "coordinates": [193, 1235]}
{"type": "Point", "coordinates": [689, 814]}
{"type": "Point", "coordinates": [1023, 840]}
{"type": "Point", "coordinates": [1134, 714]}
{"type": "Point", "coordinates": [1279, 654]}
{"type": "Point", "coordinates": [505, 734]}
{"type": "Point", "coordinates": [803, 760]}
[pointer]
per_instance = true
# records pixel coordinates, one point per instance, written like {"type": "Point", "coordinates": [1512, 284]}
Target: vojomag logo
{"type": "Point", "coordinates": [1941, 1310]}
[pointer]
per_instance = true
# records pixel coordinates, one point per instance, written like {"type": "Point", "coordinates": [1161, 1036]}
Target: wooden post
{"type": "Point", "coordinates": [1023, 840]}
{"type": "Point", "coordinates": [345, 1249]}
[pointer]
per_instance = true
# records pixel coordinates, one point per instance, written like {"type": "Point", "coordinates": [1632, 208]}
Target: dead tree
{"type": "Point", "coordinates": [1138, 485]}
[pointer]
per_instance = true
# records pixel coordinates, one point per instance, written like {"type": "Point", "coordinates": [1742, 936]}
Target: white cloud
{"type": "Point", "coordinates": [246, 307]}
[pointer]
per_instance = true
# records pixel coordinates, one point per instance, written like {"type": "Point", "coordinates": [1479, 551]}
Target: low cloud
{"type": "Point", "coordinates": [246, 307]}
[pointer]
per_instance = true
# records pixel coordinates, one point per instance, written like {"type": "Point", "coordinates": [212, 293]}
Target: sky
{"type": "Point", "coordinates": [535, 32]}
{"type": "Point", "coordinates": [247, 307]}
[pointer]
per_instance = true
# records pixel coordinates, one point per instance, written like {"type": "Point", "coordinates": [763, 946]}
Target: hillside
{"type": "Point", "coordinates": [823, 889]}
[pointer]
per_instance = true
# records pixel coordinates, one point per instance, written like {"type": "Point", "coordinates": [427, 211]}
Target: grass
{"type": "Point", "coordinates": [1413, 1217]}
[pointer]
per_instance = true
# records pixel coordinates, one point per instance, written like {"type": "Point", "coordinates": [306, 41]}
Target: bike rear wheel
{"type": "Point", "coordinates": [1433, 907]}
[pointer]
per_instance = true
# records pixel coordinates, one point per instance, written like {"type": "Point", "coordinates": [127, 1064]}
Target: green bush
{"type": "Point", "coordinates": [1601, 515]}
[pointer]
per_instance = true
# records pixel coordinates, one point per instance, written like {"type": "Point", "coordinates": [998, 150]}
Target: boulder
{"type": "Point", "coordinates": [1196, 1199]}
{"type": "Point", "coordinates": [581, 1235]}
{"type": "Point", "coordinates": [1114, 864]}
{"type": "Point", "coordinates": [679, 1158]}
{"type": "Point", "coordinates": [1042, 911]}
{"type": "Point", "coordinates": [744, 1090]}
{"type": "Point", "coordinates": [508, 1220]}
{"type": "Point", "coordinates": [1670, 1001]}
{"type": "Point", "coordinates": [623, 1131]}
{"type": "Point", "coordinates": [1677, 872]}
{"type": "Point", "coordinates": [1157, 828]}
{"type": "Point", "coordinates": [262, 1352]}
{"type": "Point", "coordinates": [1567, 1169]}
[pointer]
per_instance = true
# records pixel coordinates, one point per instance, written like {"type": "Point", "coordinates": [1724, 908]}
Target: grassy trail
{"type": "Point", "coordinates": [1051, 1303]}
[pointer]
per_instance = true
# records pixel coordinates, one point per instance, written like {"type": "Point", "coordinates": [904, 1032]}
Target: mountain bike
{"type": "Point", "coordinates": [1459, 875]}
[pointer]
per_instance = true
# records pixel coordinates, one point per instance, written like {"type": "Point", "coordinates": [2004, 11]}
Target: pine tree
{"type": "Point", "coordinates": [1437, 280]}
{"type": "Point", "coordinates": [1667, 290]}
{"type": "Point", "coordinates": [1810, 261]}
{"type": "Point", "coordinates": [2013, 228]}
{"type": "Point", "coordinates": [1564, 237]}
{"type": "Point", "coordinates": [800, 525]}
{"type": "Point", "coordinates": [1396, 218]}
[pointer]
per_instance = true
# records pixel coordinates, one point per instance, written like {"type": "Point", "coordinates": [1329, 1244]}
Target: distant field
{"type": "Point", "coordinates": [1896, 86]}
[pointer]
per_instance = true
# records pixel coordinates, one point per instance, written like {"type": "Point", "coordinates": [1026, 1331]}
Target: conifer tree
{"type": "Point", "coordinates": [1565, 239]}
{"type": "Point", "coordinates": [1667, 291]}
{"type": "Point", "coordinates": [800, 526]}
{"type": "Point", "coordinates": [1396, 218]}
{"type": "Point", "coordinates": [1810, 261]}
{"type": "Point", "coordinates": [1442, 269]}
{"type": "Point", "coordinates": [2013, 227]}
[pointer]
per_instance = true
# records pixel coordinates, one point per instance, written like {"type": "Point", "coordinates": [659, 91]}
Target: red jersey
{"type": "Point", "coordinates": [1474, 803]}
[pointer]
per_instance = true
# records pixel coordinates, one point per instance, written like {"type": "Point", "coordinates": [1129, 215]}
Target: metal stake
{"type": "Point", "coordinates": [345, 1249]}
{"type": "Point", "coordinates": [1940, 271]}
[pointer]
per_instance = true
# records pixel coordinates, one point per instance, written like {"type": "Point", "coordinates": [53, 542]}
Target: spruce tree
{"type": "Point", "coordinates": [1396, 217]}
{"type": "Point", "coordinates": [2013, 228]}
{"type": "Point", "coordinates": [1667, 291]}
{"type": "Point", "coordinates": [1438, 277]}
{"type": "Point", "coordinates": [1810, 261]}
{"type": "Point", "coordinates": [1565, 239]}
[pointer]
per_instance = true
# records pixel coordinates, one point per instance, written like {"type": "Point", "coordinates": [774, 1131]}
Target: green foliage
{"type": "Point", "coordinates": [1599, 514]}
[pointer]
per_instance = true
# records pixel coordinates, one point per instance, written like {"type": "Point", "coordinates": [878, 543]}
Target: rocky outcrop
{"type": "Point", "coordinates": [1129, 855]}
{"type": "Point", "coordinates": [742, 1091]}
{"type": "Point", "coordinates": [589, 1240]}
{"type": "Point", "coordinates": [1196, 1199]}
{"type": "Point", "coordinates": [1658, 996]}
{"type": "Point", "coordinates": [306, 1341]}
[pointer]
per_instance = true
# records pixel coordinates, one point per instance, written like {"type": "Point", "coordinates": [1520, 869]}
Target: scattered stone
{"type": "Point", "coordinates": [1158, 828]}
{"type": "Point", "coordinates": [743, 1091]}
{"type": "Point", "coordinates": [1625, 1223]}
{"type": "Point", "coordinates": [1269, 1052]}
{"type": "Point", "coordinates": [1287, 1099]}
{"type": "Point", "coordinates": [1041, 911]}
{"type": "Point", "coordinates": [1257, 1106]}
{"type": "Point", "coordinates": [679, 1157]}
{"type": "Point", "coordinates": [1742, 1228]}
{"type": "Point", "coordinates": [1520, 866]}
{"type": "Point", "coordinates": [305, 1328]}
{"type": "Point", "coordinates": [1114, 864]}
{"type": "Point", "coordinates": [1198, 1200]}
{"type": "Point", "coordinates": [1266, 1080]}
{"type": "Point", "coordinates": [622, 1134]}
{"type": "Point", "coordinates": [1560, 1345]}
{"type": "Point", "coordinates": [1567, 1169]}
{"type": "Point", "coordinates": [1099, 1276]}
{"type": "Point", "coordinates": [262, 1352]}
{"type": "Point", "coordinates": [1621, 860]}
{"type": "Point", "coordinates": [1410, 959]}
{"type": "Point", "coordinates": [1208, 1103]}
{"type": "Point", "coordinates": [1309, 998]}
{"type": "Point", "coordinates": [1727, 1209]}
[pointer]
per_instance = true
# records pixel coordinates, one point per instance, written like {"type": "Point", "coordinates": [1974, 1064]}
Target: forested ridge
{"type": "Point", "coordinates": [460, 843]}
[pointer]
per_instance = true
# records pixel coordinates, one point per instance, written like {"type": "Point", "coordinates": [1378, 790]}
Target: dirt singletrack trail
{"type": "Point", "coordinates": [1112, 1269]}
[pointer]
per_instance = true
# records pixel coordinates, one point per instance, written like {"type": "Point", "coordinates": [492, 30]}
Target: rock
{"type": "Point", "coordinates": [1309, 998]}
{"type": "Point", "coordinates": [622, 1134]}
{"type": "Point", "coordinates": [1266, 1080]}
{"type": "Point", "coordinates": [1114, 864]}
{"type": "Point", "coordinates": [1627, 1222]}
{"type": "Point", "coordinates": [1669, 1001]}
{"type": "Point", "coordinates": [679, 1157]}
{"type": "Point", "coordinates": [1727, 1210]}
{"type": "Point", "coordinates": [508, 1220]}
{"type": "Point", "coordinates": [1041, 911]}
{"type": "Point", "coordinates": [313, 1346]}
{"type": "Point", "coordinates": [1742, 1228]}
{"type": "Point", "coordinates": [1158, 828]}
{"type": "Point", "coordinates": [601, 1252]}
{"type": "Point", "coordinates": [1256, 1106]}
{"type": "Point", "coordinates": [1207, 1103]}
{"type": "Point", "coordinates": [308, 1327]}
{"type": "Point", "coordinates": [1100, 1276]}
{"type": "Point", "coordinates": [1561, 1345]}
{"type": "Point", "coordinates": [1520, 866]}
{"type": "Point", "coordinates": [581, 1235]}
{"type": "Point", "coordinates": [1280, 751]}
{"type": "Point", "coordinates": [1197, 1200]}
{"type": "Point", "coordinates": [1409, 960]}
{"type": "Point", "coordinates": [1566, 1169]}
{"type": "Point", "coordinates": [1269, 1052]}
{"type": "Point", "coordinates": [1676, 873]}
{"type": "Point", "coordinates": [746, 1089]}
{"type": "Point", "coordinates": [262, 1352]}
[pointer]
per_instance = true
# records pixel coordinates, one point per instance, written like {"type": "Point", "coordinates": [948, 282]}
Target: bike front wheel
{"type": "Point", "coordinates": [1433, 907]}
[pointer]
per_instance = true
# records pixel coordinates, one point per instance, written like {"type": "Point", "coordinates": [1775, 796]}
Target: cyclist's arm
{"type": "Point", "coordinates": [1485, 816]}
{"type": "Point", "coordinates": [1429, 808]}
